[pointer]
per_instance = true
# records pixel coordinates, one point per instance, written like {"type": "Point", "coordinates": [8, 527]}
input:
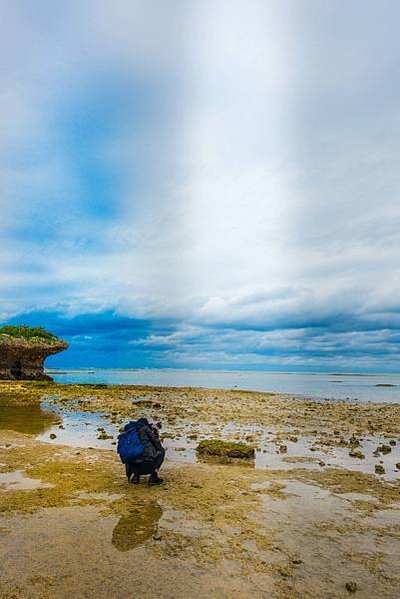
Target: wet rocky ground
{"type": "Point", "coordinates": [315, 514]}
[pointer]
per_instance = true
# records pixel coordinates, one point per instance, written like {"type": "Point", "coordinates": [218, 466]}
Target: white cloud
{"type": "Point", "coordinates": [262, 190]}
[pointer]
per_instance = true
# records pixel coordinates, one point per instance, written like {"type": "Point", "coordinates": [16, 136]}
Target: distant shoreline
{"type": "Point", "coordinates": [54, 370]}
{"type": "Point", "coordinates": [363, 388]}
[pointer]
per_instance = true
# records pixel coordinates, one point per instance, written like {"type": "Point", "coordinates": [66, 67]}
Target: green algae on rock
{"type": "Point", "coordinates": [229, 449]}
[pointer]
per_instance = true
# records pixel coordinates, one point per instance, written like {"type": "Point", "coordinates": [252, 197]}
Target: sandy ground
{"type": "Point", "coordinates": [305, 520]}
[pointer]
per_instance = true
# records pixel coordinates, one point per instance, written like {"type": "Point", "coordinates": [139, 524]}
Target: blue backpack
{"type": "Point", "coordinates": [129, 445]}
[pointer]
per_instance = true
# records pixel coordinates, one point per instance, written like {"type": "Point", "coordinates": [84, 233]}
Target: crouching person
{"type": "Point", "coordinates": [140, 449]}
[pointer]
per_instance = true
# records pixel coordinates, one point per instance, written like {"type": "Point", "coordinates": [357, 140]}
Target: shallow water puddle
{"type": "Point", "coordinates": [285, 454]}
{"type": "Point", "coordinates": [84, 554]}
{"type": "Point", "coordinates": [275, 449]}
{"type": "Point", "coordinates": [100, 496]}
{"type": "Point", "coordinates": [30, 419]}
{"type": "Point", "coordinates": [329, 543]}
{"type": "Point", "coordinates": [74, 544]}
{"type": "Point", "coordinates": [80, 429]}
{"type": "Point", "coordinates": [17, 481]}
{"type": "Point", "coordinates": [135, 527]}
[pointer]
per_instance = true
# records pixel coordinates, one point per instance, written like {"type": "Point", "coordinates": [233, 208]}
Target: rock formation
{"type": "Point", "coordinates": [23, 358]}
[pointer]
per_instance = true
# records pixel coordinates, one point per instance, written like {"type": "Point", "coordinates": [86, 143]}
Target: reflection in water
{"type": "Point", "coordinates": [29, 419]}
{"type": "Point", "coordinates": [134, 528]}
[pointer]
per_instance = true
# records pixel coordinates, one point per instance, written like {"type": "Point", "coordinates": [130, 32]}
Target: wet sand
{"type": "Point", "coordinates": [307, 517]}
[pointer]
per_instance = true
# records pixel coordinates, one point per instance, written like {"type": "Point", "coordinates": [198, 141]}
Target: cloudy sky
{"type": "Point", "coordinates": [206, 184]}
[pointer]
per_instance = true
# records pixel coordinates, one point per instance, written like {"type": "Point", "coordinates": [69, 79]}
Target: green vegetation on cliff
{"type": "Point", "coordinates": [32, 334]}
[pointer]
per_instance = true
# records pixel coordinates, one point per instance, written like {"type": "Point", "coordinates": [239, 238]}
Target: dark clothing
{"type": "Point", "coordinates": [150, 441]}
{"type": "Point", "coordinates": [145, 467]}
{"type": "Point", "coordinates": [153, 454]}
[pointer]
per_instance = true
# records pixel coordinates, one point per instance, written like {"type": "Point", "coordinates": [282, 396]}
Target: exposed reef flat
{"type": "Point", "coordinates": [293, 526]}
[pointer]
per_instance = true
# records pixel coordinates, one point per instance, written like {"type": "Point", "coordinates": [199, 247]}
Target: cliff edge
{"type": "Point", "coordinates": [23, 351]}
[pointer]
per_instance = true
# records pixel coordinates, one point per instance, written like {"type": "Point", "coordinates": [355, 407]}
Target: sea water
{"type": "Point", "coordinates": [351, 387]}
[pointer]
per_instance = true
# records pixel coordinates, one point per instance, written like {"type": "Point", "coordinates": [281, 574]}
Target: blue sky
{"type": "Point", "coordinates": [203, 184]}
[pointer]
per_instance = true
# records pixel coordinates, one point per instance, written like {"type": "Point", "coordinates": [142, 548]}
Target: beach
{"type": "Point", "coordinates": [315, 514]}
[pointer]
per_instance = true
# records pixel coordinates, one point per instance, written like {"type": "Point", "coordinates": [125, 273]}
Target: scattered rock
{"type": "Point", "coordinates": [385, 385]}
{"type": "Point", "coordinates": [355, 453]}
{"type": "Point", "coordinates": [53, 436]}
{"type": "Point", "coordinates": [351, 586]}
{"type": "Point", "coordinates": [398, 465]}
{"type": "Point", "coordinates": [229, 449]}
{"type": "Point", "coordinates": [392, 442]}
{"type": "Point", "coordinates": [282, 448]}
{"type": "Point", "coordinates": [379, 469]}
{"type": "Point", "coordinates": [383, 449]}
{"type": "Point", "coordinates": [157, 536]}
{"type": "Point", "coordinates": [103, 436]}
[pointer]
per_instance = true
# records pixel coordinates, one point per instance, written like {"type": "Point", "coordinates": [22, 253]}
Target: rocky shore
{"type": "Point", "coordinates": [23, 351]}
{"type": "Point", "coordinates": [303, 519]}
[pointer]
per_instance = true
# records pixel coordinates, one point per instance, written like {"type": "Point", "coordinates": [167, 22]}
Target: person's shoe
{"type": "Point", "coordinates": [155, 480]}
{"type": "Point", "coordinates": [135, 479]}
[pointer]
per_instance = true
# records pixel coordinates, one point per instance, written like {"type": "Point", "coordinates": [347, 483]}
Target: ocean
{"type": "Point", "coordinates": [351, 387]}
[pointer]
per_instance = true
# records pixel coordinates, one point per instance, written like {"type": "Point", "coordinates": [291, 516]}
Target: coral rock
{"type": "Point", "coordinates": [23, 359]}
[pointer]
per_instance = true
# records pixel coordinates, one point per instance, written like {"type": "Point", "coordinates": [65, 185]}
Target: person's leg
{"type": "Point", "coordinates": [150, 466]}
{"type": "Point", "coordinates": [140, 468]}
{"type": "Point", "coordinates": [145, 467]}
{"type": "Point", "coordinates": [128, 470]}
{"type": "Point", "coordinates": [158, 460]}
{"type": "Point", "coordinates": [133, 472]}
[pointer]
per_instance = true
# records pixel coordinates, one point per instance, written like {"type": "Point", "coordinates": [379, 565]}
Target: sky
{"type": "Point", "coordinates": [203, 184]}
